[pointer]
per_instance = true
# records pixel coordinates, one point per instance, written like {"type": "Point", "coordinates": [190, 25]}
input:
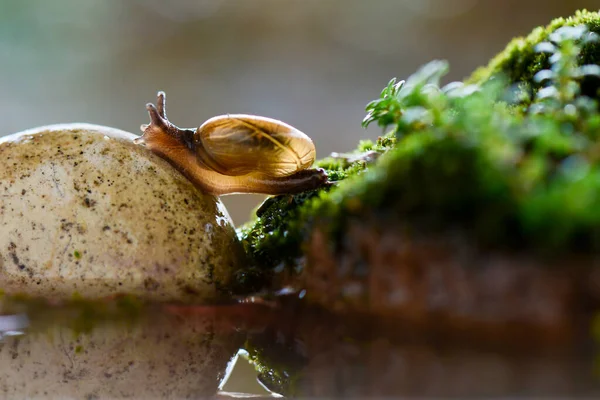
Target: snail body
{"type": "Point", "coordinates": [235, 153]}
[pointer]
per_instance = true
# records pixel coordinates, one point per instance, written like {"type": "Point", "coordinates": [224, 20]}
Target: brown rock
{"type": "Point", "coordinates": [445, 282]}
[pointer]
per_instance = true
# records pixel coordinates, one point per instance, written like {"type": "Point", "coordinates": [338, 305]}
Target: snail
{"type": "Point", "coordinates": [235, 153]}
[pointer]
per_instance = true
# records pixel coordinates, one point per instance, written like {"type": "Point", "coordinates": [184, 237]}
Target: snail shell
{"type": "Point", "coordinates": [240, 144]}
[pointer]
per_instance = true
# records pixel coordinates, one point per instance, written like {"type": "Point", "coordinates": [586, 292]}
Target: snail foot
{"type": "Point", "coordinates": [309, 179]}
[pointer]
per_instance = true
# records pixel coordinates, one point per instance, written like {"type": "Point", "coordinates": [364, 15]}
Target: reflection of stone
{"type": "Point", "coordinates": [87, 212]}
{"type": "Point", "coordinates": [162, 356]}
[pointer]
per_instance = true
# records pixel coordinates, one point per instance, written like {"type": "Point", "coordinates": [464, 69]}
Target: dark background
{"type": "Point", "coordinates": [311, 63]}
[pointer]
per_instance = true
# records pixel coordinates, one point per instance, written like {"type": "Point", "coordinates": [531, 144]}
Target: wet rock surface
{"type": "Point", "coordinates": [85, 212]}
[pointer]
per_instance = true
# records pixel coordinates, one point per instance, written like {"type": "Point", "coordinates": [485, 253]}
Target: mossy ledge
{"type": "Point", "coordinates": [480, 217]}
{"type": "Point", "coordinates": [467, 158]}
{"type": "Point", "coordinates": [519, 61]}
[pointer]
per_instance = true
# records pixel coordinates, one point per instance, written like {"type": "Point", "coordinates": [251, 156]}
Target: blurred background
{"type": "Point", "coordinates": [311, 63]}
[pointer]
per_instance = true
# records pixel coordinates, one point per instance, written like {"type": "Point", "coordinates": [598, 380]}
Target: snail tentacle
{"type": "Point", "coordinates": [161, 104]}
{"type": "Point", "coordinates": [160, 123]}
{"type": "Point", "coordinates": [156, 119]}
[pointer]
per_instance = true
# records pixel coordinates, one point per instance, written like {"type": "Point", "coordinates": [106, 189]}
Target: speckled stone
{"type": "Point", "coordinates": [85, 212]}
{"type": "Point", "coordinates": [161, 357]}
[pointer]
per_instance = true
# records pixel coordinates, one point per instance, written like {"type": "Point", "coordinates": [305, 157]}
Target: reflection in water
{"type": "Point", "coordinates": [188, 351]}
{"type": "Point", "coordinates": [109, 351]}
{"type": "Point", "coordinates": [240, 380]}
{"type": "Point", "coordinates": [13, 325]}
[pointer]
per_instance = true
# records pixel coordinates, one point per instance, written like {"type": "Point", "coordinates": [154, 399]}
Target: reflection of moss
{"type": "Point", "coordinates": [78, 314]}
{"type": "Point", "coordinates": [520, 62]}
{"type": "Point", "coordinates": [278, 367]}
{"type": "Point", "coordinates": [469, 158]}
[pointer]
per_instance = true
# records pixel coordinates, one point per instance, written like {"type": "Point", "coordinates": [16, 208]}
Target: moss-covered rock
{"type": "Point", "coordinates": [520, 61]}
{"type": "Point", "coordinates": [275, 238]}
{"type": "Point", "coordinates": [468, 157]}
{"type": "Point", "coordinates": [479, 216]}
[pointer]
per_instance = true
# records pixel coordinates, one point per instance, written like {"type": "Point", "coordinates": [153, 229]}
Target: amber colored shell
{"type": "Point", "coordinates": [239, 144]}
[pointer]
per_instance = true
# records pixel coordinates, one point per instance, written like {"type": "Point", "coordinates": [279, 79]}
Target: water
{"type": "Point", "coordinates": [119, 348]}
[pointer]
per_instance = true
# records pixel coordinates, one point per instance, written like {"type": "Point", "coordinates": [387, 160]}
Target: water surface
{"type": "Point", "coordinates": [120, 349]}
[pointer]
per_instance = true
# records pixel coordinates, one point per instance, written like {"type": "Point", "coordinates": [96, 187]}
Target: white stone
{"type": "Point", "coordinates": [85, 212]}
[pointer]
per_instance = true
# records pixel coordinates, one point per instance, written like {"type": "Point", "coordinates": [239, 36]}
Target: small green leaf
{"type": "Point", "coordinates": [545, 47]}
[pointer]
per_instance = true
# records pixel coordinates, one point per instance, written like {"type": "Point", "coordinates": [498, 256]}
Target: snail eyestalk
{"type": "Point", "coordinates": [160, 125]}
{"type": "Point", "coordinates": [158, 118]}
{"type": "Point", "coordinates": [161, 100]}
{"type": "Point", "coordinates": [155, 116]}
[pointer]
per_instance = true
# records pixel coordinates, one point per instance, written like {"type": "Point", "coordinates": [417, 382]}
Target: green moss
{"type": "Point", "coordinates": [274, 239]}
{"type": "Point", "coordinates": [278, 365]}
{"type": "Point", "coordinates": [466, 157]}
{"type": "Point", "coordinates": [520, 61]}
{"type": "Point", "coordinates": [78, 314]}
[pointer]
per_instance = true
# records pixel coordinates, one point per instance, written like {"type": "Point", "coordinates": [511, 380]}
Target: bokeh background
{"type": "Point", "coordinates": [311, 63]}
